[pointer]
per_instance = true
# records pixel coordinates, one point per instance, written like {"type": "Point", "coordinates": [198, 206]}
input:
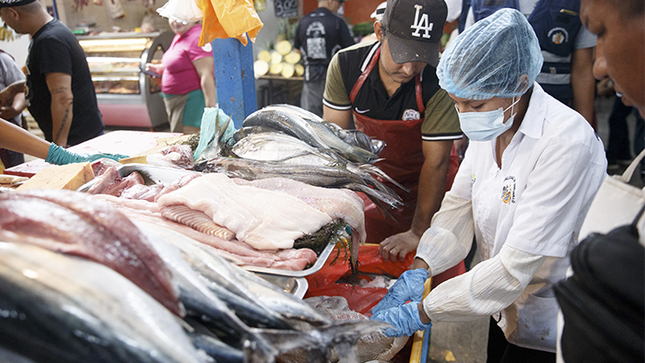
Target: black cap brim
{"type": "Point", "coordinates": [406, 50]}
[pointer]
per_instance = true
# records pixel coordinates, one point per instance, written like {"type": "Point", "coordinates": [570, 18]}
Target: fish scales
{"type": "Point", "coordinates": [74, 223]}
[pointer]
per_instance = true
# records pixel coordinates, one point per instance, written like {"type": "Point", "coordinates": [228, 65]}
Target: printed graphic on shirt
{"type": "Point", "coordinates": [558, 35]}
{"type": "Point", "coordinates": [508, 190]}
{"type": "Point", "coordinates": [411, 114]}
{"type": "Point", "coordinates": [316, 46]}
{"type": "Point", "coordinates": [421, 24]}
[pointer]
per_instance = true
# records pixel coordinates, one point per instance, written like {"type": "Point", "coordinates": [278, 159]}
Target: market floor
{"type": "Point", "coordinates": [465, 342]}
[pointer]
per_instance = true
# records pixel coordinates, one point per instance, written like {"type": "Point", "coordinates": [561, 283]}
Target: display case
{"type": "Point", "coordinates": [126, 96]}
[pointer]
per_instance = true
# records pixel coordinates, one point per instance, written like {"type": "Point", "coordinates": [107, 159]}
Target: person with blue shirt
{"type": "Point", "coordinates": [526, 182]}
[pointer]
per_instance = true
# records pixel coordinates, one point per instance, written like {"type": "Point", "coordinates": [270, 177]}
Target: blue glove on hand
{"type": "Point", "coordinates": [59, 156]}
{"type": "Point", "coordinates": [405, 320]}
{"type": "Point", "coordinates": [409, 287]}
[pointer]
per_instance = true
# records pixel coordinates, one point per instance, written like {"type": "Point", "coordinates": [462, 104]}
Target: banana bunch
{"type": "Point", "coordinates": [6, 34]}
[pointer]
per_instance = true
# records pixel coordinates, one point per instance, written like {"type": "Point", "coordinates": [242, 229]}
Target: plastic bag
{"type": "Point", "coordinates": [360, 299]}
{"type": "Point", "coordinates": [181, 10]}
{"type": "Point", "coordinates": [370, 264]}
{"type": "Point", "coordinates": [228, 19]}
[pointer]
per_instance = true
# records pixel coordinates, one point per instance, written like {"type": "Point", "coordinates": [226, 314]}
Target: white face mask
{"type": "Point", "coordinates": [485, 126]}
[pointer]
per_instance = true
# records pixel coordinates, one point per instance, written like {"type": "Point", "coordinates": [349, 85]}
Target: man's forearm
{"type": "Point", "coordinates": [62, 114]}
{"type": "Point", "coordinates": [432, 187]}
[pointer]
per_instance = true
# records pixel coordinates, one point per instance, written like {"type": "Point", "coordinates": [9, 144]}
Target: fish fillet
{"type": "Point", "coordinates": [74, 223]}
{"type": "Point", "coordinates": [265, 219]}
{"type": "Point", "coordinates": [196, 220]}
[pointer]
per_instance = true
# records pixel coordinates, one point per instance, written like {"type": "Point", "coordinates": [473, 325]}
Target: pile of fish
{"type": "Point", "coordinates": [287, 141]}
{"type": "Point", "coordinates": [84, 284]}
{"type": "Point", "coordinates": [256, 223]}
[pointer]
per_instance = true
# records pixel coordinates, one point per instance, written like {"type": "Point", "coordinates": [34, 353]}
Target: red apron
{"type": "Point", "coordinates": [403, 159]}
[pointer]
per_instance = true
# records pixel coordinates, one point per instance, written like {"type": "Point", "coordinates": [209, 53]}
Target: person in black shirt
{"type": "Point", "coordinates": [61, 95]}
{"type": "Point", "coordinates": [320, 34]}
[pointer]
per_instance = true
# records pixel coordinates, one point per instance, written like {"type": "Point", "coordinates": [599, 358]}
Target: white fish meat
{"type": "Point", "coordinates": [264, 219]}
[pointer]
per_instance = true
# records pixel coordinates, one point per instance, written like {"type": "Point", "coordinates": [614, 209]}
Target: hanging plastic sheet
{"type": "Point", "coordinates": [229, 19]}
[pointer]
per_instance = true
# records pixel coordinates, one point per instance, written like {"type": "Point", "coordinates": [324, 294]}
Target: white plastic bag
{"type": "Point", "coordinates": [617, 203]}
{"type": "Point", "coordinates": [181, 10]}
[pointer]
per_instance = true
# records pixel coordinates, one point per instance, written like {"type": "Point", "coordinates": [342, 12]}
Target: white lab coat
{"type": "Point", "coordinates": [526, 217]}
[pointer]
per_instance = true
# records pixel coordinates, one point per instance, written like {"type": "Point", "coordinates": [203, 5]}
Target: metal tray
{"type": "Point", "coordinates": [168, 175]}
{"type": "Point", "coordinates": [294, 285]}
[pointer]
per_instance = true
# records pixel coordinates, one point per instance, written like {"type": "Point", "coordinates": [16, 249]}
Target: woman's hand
{"type": "Point", "coordinates": [398, 246]}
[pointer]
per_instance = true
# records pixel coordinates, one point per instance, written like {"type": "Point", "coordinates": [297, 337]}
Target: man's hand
{"type": "Point", "coordinates": [398, 246]}
{"type": "Point", "coordinates": [405, 319]}
{"type": "Point", "coordinates": [408, 287]}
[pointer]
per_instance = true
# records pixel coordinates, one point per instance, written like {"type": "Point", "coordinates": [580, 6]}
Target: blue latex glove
{"type": "Point", "coordinates": [409, 287]}
{"type": "Point", "coordinates": [405, 320]}
{"type": "Point", "coordinates": [59, 156]}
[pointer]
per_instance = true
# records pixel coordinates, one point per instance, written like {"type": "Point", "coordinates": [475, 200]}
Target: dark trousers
{"type": "Point", "coordinates": [501, 351]}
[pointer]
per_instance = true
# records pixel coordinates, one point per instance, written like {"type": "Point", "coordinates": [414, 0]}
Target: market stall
{"type": "Point", "coordinates": [194, 248]}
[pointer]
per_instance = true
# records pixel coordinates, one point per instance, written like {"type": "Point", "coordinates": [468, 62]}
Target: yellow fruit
{"type": "Point", "coordinates": [299, 69]}
{"type": "Point", "coordinates": [276, 58]}
{"type": "Point", "coordinates": [292, 57]}
{"type": "Point", "coordinates": [264, 55]}
{"type": "Point", "coordinates": [287, 70]}
{"type": "Point", "coordinates": [283, 47]}
{"type": "Point", "coordinates": [275, 68]}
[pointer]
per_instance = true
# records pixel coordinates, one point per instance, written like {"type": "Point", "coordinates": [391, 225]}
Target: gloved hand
{"type": "Point", "coordinates": [409, 287]}
{"type": "Point", "coordinates": [405, 320]}
{"type": "Point", "coordinates": [59, 156]}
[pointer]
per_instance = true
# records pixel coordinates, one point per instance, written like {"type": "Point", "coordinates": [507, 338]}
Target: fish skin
{"type": "Point", "coordinates": [117, 243]}
{"type": "Point", "coordinates": [314, 133]}
{"type": "Point", "coordinates": [68, 309]}
{"type": "Point", "coordinates": [202, 298]}
{"type": "Point", "coordinates": [271, 146]}
{"type": "Point", "coordinates": [321, 176]}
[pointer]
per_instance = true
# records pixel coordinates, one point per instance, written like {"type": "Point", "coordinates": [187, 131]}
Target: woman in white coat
{"type": "Point", "coordinates": [527, 180]}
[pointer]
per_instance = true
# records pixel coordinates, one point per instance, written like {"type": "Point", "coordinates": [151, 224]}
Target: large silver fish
{"type": "Point", "coordinates": [314, 133]}
{"type": "Point", "coordinates": [59, 308]}
{"type": "Point", "coordinates": [322, 176]}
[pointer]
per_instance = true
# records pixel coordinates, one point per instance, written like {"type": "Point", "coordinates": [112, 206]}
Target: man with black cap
{"type": "Point", "coordinates": [60, 92]}
{"type": "Point", "coordinates": [389, 89]}
{"type": "Point", "coordinates": [319, 35]}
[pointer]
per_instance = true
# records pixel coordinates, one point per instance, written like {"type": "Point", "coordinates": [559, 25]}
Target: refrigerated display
{"type": "Point", "coordinates": [126, 96]}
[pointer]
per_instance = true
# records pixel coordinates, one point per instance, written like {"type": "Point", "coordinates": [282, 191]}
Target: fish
{"type": "Point", "coordinates": [60, 308]}
{"type": "Point", "coordinates": [214, 268]}
{"type": "Point", "coordinates": [322, 176]}
{"type": "Point", "coordinates": [203, 299]}
{"type": "Point", "coordinates": [75, 223]}
{"type": "Point", "coordinates": [196, 220]}
{"type": "Point", "coordinates": [352, 137]}
{"type": "Point", "coordinates": [313, 133]}
{"type": "Point", "coordinates": [279, 147]}
{"type": "Point", "coordinates": [265, 219]}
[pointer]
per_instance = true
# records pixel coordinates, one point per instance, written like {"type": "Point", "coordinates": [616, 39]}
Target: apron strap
{"type": "Point", "coordinates": [419, 92]}
{"type": "Point", "coordinates": [363, 76]}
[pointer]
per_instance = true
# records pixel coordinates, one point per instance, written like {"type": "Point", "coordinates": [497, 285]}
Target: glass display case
{"type": "Point", "coordinates": [126, 96]}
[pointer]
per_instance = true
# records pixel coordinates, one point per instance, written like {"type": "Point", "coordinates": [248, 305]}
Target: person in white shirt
{"type": "Point", "coordinates": [523, 188]}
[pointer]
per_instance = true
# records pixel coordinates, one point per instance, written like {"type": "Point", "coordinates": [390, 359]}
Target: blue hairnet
{"type": "Point", "coordinates": [489, 58]}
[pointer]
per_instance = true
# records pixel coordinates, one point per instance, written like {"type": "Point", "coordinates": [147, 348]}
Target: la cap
{"type": "Point", "coordinates": [380, 10]}
{"type": "Point", "coordinates": [414, 29]}
{"type": "Point", "coordinates": [11, 3]}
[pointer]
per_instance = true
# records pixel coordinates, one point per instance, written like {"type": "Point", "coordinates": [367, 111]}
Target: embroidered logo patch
{"type": "Point", "coordinates": [508, 190]}
{"type": "Point", "coordinates": [421, 24]}
{"type": "Point", "coordinates": [558, 35]}
{"type": "Point", "coordinates": [411, 114]}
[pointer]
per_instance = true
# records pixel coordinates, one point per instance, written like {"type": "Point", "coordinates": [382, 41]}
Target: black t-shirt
{"type": "Point", "coordinates": [440, 118]}
{"type": "Point", "coordinates": [54, 48]}
{"type": "Point", "coordinates": [319, 35]}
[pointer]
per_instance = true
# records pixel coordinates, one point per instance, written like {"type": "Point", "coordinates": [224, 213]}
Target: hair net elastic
{"type": "Point", "coordinates": [499, 56]}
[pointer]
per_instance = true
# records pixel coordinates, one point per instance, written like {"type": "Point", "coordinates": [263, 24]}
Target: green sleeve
{"type": "Point", "coordinates": [441, 121]}
{"type": "Point", "coordinates": [335, 93]}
